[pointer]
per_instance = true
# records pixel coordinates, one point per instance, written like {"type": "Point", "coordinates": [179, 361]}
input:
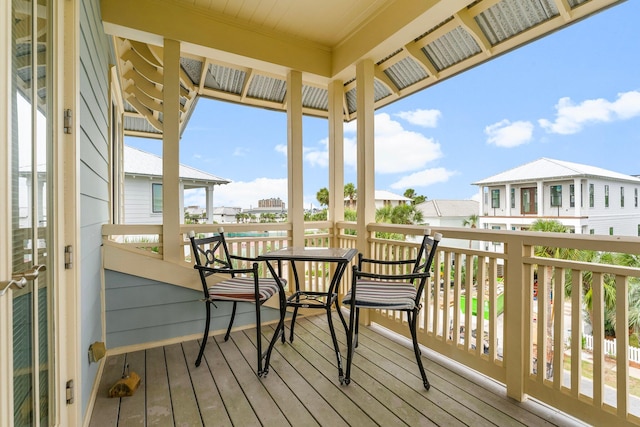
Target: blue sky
{"type": "Point", "coordinates": [573, 96]}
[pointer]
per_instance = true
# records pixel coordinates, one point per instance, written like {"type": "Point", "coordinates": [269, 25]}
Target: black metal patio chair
{"type": "Point", "coordinates": [240, 282]}
{"type": "Point", "coordinates": [398, 288]}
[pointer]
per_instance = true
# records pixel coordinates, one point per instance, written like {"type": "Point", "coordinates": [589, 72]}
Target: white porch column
{"type": "Point", "coordinates": [294, 157]}
{"type": "Point", "coordinates": [209, 203]}
{"type": "Point", "coordinates": [336, 151]}
{"type": "Point", "coordinates": [170, 152]}
{"type": "Point", "coordinates": [577, 192]}
{"type": "Point", "coordinates": [539, 198]}
{"type": "Point", "coordinates": [508, 199]}
{"type": "Point", "coordinates": [366, 209]}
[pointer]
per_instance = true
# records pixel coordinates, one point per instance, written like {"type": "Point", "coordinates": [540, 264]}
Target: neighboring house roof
{"type": "Point", "coordinates": [138, 162]}
{"type": "Point", "coordinates": [222, 210]}
{"type": "Point", "coordinates": [449, 208]}
{"type": "Point", "coordinates": [550, 169]}
{"type": "Point", "coordinates": [386, 195]}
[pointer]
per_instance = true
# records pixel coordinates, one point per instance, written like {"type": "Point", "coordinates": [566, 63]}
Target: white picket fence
{"type": "Point", "coordinates": [610, 348]}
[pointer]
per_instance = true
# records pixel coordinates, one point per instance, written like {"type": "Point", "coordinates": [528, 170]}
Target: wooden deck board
{"type": "Point", "coordinates": [302, 387]}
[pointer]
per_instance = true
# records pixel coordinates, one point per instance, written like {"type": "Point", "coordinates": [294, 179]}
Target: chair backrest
{"type": "Point", "coordinates": [210, 252]}
{"type": "Point", "coordinates": [426, 252]}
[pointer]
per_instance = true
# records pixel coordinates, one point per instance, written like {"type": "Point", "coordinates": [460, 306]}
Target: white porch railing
{"type": "Point", "coordinates": [517, 346]}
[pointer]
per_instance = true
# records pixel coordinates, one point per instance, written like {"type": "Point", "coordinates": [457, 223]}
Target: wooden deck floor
{"type": "Point", "coordinates": [302, 388]}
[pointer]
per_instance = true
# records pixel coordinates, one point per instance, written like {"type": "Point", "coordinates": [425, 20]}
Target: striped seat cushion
{"type": "Point", "coordinates": [383, 294]}
{"type": "Point", "coordinates": [242, 289]}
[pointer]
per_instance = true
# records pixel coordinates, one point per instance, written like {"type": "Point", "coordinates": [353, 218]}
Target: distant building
{"type": "Point", "coordinates": [271, 203]}
{"type": "Point", "coordinates": [449, 213]}
{"type": "Point", "coordinates": [143, 187]}
{"type": "Point", "coordinates": [382, 198]}
{"type": "Point", "coordinates": [225, 215]}
{"type": "Point", "coordinates": [585, 199]}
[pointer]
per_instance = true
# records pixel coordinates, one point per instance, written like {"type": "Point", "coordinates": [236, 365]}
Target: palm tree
{"type": "Point", "coordinates": [471, 222]}
{"type": "Point", "coordinates": [350, 192]}
{"type": "Point", "coordinates": [323, 196]}
{"type": "Point", "coordinates": [551, 252]}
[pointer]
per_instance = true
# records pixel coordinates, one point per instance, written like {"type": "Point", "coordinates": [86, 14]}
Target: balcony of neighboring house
{"type": "Point", "coordinates": [523, 362]}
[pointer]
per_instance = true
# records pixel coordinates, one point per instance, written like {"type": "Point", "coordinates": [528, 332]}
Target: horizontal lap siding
{"type": "Point", "coordinates": [140, 310]}
{"type": "Point", "coordinates": [94, 179]}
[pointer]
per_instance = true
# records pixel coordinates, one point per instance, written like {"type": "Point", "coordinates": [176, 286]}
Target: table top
{"type": "Point", "coordinates": [294, 253]}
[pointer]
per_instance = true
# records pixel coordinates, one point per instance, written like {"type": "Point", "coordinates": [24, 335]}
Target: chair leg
{"type": "Point", "coordinates": [233, 316]}
{"type": "Point", "coordinates": [355, 343]}
{"type": "Point", "coordinates": [206, 333]}
{"type": "Point", "coordinates": [352, 326]}
{"type": "Point", "coordinates": [413, 323]}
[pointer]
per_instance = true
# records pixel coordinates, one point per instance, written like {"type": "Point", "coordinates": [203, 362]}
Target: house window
{"type": "Point", "coordinates": [592, 231]}
{"type": "Point", "coordinates": [591, 195]}
{"type": "Point", "coordinates": [638, 229]}
{"type": "Point", "coordinates": [610, 231]}
{"type": "Point", "coordinates": [513, 198]}
{"type": "Point", "coordinates": [529, 200]}
{"type": "Point", "coordinates": [556, 195]}
{"type": "Point", "coordinates": [635, 197]}
{"type": "Point", "coordinates": [572, 196]}
{"type": "Point", "coordinates": [156, 198]}
{"type": "Point", "coordinates": [495, 198]}
{"type": "Point", "coordinates": [606, 196]}
{"type": "Point", "coordinates": [622, 197]}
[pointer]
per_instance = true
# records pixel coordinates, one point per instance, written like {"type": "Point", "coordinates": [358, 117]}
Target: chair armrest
{"type": "Point", "coordinates": [256, 259]}
{"type": "Point", "coordinates": [383, 262]}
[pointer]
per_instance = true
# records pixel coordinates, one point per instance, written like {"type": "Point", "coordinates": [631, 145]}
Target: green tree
{"type": "Point", "coordinates": [416, 199]}
{"type": "Point", "coordinates": [350, 192]}
{"type": "Point", "coordinates": [471, 222]}
{"type": "Point", "coordinates": [323, 196]}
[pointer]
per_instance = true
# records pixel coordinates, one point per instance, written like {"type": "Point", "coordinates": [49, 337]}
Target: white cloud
{"type": "Point", "coordinates": [240, 194]}
{"type": "Point", "coordinates": [424, 118]}
{"type": "Point", "coordinates": [571, 118]}
{"type": "Point", "coordinates": [508, 134]}
{"type": "Point", "coordinates": [281, 148]}
{"type": "Point", "coordinates": [318, 156]}
{"type": "Point", "coordinates": [397, 149]}
{"type": "Point", "coordinates": [423, 178]}
{"type": "Point", "coordinates": [240, 151]}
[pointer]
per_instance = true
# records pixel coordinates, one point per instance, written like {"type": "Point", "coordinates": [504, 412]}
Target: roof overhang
{"type": "Point", "coordinates": [243, 51]}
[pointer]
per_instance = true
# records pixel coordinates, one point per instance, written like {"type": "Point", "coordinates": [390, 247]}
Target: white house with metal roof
{"type": "Point", "coordinates": [586, 199]}
{"type": "Point", "coordinates": [143, 187]}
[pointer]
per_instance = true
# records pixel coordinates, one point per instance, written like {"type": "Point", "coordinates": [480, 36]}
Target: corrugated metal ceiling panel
{"type": "Point", "coordinates": [406, 72]}
{"type": "Point", "coordinates": [451, 48]}
{"type": "Point", "coordinates": [225, 79]}
{"type": "Point", "coordinates": [314, 97]}
{"type": "Point", "coordinates": [511, 17]}
{"type": "Point", "coordinates": [139, 124]}
{"type": "Point", "coordinates": [193, 68]}
{"type": "Point", "coordinates": [267, 88]}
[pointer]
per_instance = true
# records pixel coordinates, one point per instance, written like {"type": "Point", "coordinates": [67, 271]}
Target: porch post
{"type": "Point", "coordinates": [209, 203]}
{"type": "Point", "coordinates": [336, 152]}
{"type": "Point", "coordinates": [294, 157]}
{"type": "Point", "coordinates": [517, 358]}
{"type": "Point", "coordinates": [366, 209]}
{"type": "Point", "coordinates": [170, 152]}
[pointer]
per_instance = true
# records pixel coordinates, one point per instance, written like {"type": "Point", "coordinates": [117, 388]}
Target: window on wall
{"type": "Point", "coordinates": [592, 231]}
{"type": "Point", "coordinates": [591, 196]}
{"type": "Point", "coordinates": [556, 195]}
{"type": "Point", "coordinates": [622, 197]}
{"type": "Point", "coordinates": [635, 197]}
{"type": "Point", "coordinates": [611, 231]}
{"type": "Point", "coordinates": [638, 229]}
{"type": "Point", "coordinates": [156, 198]}
{"type": "Point", "coordinates": [495, 198]}
{"type": "Point", "coordinates": [606, 196]}
{"type": "Point", "coordinates": [513, 198]}
{"type": "Point", "coordinates": [572, 196]}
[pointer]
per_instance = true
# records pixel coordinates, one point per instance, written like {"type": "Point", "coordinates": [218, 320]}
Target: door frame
{"type": "Point", "coordinates": [64, 92]}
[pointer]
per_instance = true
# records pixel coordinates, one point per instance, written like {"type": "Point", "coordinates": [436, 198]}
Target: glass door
{"type": "Point", "coordinates": [30, 165]}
